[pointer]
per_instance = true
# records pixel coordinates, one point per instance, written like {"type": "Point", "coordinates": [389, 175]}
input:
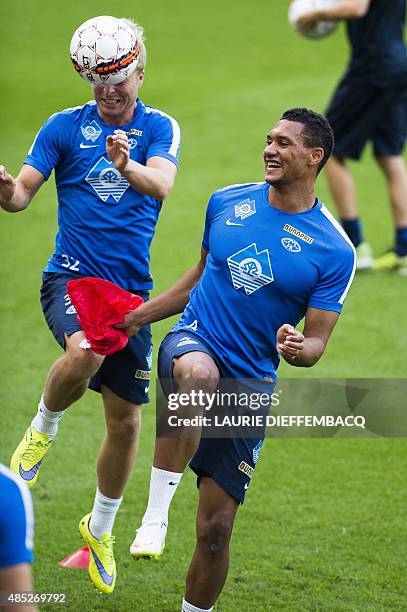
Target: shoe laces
{"type": "Point", "coordinates": [33, 447]}
{"type": "Point", "coordinates": [107, 542]}
{"type": "Point", "coordinates": [149, 530]}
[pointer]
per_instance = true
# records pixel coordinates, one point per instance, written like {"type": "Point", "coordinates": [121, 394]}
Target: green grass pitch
{"type": "Point", "coordinates": [322, 527]}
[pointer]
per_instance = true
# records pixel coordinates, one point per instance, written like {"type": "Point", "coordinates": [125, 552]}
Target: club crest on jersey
{"type": "Point", "coordinates": [244, 209]}
{"type": "Point", "coordinates": [291, 245]}
{"type": "Point", "coordinates": [91, 130]}
{"type": "Point", "coordinates": [107, 181]}
{"type": "Point", "coordinates": [250, 269]}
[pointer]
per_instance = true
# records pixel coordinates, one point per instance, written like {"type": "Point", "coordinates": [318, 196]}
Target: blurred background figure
{"type": "Point", "coordinates": [16, 537]}
{"type": "Point", "coordinates": [370, 104]}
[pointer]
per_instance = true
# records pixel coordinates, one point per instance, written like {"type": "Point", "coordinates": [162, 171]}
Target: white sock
{"type": "Point", "coordinates": [103, 514]}
{"type": "Point", "coordinates": [187, 607]}
{"type": "Point", "coordinates": [163, 485]}
{"type": "Point", "coordinates": [46, 421]}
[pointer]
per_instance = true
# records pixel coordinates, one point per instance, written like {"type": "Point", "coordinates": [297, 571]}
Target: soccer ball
{"type": "Point", "coordinates": [104, 50]}
{"type": "Point", "coordinates": [318, 29]}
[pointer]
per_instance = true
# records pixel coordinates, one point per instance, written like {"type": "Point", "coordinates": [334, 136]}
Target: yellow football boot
{"type": "Point", "coordinates": [27, 458]}
{"type": "Point", "coordinates": [391, 262]}
{"type": "Point", "coordinates": [102, 566]}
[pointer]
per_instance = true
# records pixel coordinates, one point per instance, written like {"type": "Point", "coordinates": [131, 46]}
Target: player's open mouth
{"type": "Point", "coordinates": [272, 165]}
{"type": "Point", "coordinates": [111, 101]}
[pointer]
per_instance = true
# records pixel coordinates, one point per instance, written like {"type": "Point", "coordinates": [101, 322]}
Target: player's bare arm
{"type": "Point", "coordinates": [155, 179]}
{"type": "Point", "coordinates": [305, 349]}
{"type": "Point", "coordinates": [346, 9]}
{"type": "Point", "coordinates": [17, 193]}
{"type": "Point", "coordinates": [16, 579]}
{"type": "Point", "coordinates": [168, 303]}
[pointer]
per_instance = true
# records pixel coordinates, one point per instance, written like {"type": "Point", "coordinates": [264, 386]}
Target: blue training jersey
{"type": "Point", "coordinates": [16, 520]}
{"type": "Point", "coordinates": [264, 268]}
{"type": "Point", "coordinates": [105, 226]}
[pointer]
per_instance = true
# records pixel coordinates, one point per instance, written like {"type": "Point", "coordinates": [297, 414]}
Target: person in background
{"type": "Point", "coordinates": [370, 104]}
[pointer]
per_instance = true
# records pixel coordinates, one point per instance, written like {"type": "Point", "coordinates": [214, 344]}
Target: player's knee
{"type": "Point", "coordinates": [213, 534]}
{"type": "Point", "coordinates": [392, 166]}
{"type": "Point", "coordinates": [82, 363]}
{"type": "Point", "coordinates": [126, 427]}
{"type": "Point", "coordinates": [203, 372]}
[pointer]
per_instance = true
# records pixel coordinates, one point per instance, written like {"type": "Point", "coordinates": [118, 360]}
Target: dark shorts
{"type": "Point", "coordinates": [126, 373]}
{"type": "Point", "coordinates": [230, 462]}
{"type": "Point", "coordinates": [359, 113]}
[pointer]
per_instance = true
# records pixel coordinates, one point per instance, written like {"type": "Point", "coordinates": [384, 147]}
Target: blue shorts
{"type": "Point", "coordinates": [126, 373]}
{"type": "Point", "coordinates": [230, 462]}
{"type": "Point", "coordinates": [362, 112]}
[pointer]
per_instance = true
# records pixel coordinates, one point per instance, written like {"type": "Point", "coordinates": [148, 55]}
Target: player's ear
{"type": "Point", "coordinates": [316, 156]}
{"type": "Point", "coordinates": [140, 78]}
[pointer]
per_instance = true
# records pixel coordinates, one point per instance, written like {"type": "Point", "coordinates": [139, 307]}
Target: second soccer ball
{"type": "Point", "coordinates": [319, 29]}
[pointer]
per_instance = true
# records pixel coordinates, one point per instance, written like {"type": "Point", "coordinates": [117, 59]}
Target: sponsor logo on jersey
{"type": "Point", "coordinates": [291, 245]}
{"type": "Point", "coordinates": [132, 143]}
{"type": "Point", "coordinates": [246, 468]}
{"type": "Point", "coordinates": [229, 222]}
{"type": "Point", "coordinates": [298, 234]}
{"type": "Point", "coordinates": [107, 181]}
{"type": "Point", "coordinates": [143, 374]}
{"type": "Point", "coordinates": [184, 341]}
{"type": "Point", "coordinates": [91, 130]}
{"type": "Point", "coordinates": [250, 269]}
{"type": "Point", "coordinates": [245, 208]}
{"type": "Point", "coordinates": [256, 451]}
{"type": "Point", "coordinates": [85, 146]}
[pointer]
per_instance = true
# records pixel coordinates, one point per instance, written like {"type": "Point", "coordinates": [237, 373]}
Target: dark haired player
{"type": "Point", "coordinates": [272, 254]}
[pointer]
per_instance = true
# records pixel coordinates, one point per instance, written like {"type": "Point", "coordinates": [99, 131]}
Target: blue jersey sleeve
{"type": "Point", "coordinates": [48, 146]}
{"type": "Point", "coordinates": [165, 137]}
{"type": "Point", "coordinates": [210, 213]}
{"type": "Point", "coordinates": [16, 521]}
{"type": "Point", "coordinates": [335, 280]}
